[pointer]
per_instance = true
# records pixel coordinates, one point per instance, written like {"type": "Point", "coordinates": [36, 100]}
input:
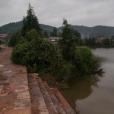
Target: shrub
{"type": "Point", "coordinates": [70, 39]}
{"type": "Point", "coordinates": [82, 63]}
{"type": "Point", "coordinates": [30, 22]}
{"type": "Point", "coordinates": [37, 54]}
{"type": "Point", "coordinates": [19, 53]}
{"type": "Point", "coordinates": [84, 60]}
{"type": "Point", "coordinates": [32, 34]}
{"type": "Point", "coordinates": [65, 71]}
{"type": "Point", "coordinates": [40, 55]}
{"type": "Point", "coordinates": [14, 40]}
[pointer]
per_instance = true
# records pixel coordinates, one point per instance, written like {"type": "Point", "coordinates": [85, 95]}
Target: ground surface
{"type": "Point", "coordinates": [14, 93]}
{"type": "Point", "coordinates": [21, 93]}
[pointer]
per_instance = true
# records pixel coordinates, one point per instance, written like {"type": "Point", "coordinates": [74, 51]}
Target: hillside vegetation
{"type": "Point", "coordinates": [66, 60]}
{"type": "Point", "coordinates": [11, 28]}
{"type": "Point", "coordinates": [85, 31]}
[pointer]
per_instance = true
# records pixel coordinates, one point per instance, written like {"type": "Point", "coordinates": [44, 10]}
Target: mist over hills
{"type": "Point", "coordinates": [85, 31]}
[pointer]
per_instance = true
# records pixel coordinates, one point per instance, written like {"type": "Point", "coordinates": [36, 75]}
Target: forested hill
{"type": "Point", "coordinates": [95, 31]}
{"type": "Point", "coordinates": [85, 31]}
{"type": "Point", "coordinates": [13, 27]}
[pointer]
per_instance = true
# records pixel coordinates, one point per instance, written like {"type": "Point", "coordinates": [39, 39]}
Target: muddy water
{"type": "Point", "coordinates": [95, 95]}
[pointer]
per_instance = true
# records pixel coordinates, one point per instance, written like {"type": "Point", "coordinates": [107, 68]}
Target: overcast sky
{"type": "Point", "coordinates": [52, 12]}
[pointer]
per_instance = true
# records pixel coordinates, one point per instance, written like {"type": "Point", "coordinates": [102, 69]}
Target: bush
{"type": "Point", "coordinates": [19, 53]}
{"type": "Point", "coordinates": [14, 40]}
{"type": "Point", "coordinates": [38, 55]}
{"type": "Point", "coordinates": [65, 71]}
{"type": "Point", "coordinates": [82, 63]}
{"type": "Point", "coordinates": [33, 34]}
{"type": "Point", "coordinates": [70, 39]}
{"type": "Point", "coordinates": [84, 60]}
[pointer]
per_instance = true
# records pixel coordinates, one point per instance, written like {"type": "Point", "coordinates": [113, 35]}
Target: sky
{"type": "Point", "coordinates": [52, 12]}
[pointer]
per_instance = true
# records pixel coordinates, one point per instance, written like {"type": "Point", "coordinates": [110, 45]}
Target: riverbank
{"type": "Point", "coordinates": [25, 93]}
{"type": "Point", "coordinates": [95, 95]}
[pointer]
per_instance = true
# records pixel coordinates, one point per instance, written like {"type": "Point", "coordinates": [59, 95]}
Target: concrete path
{"type": "Point", "coordinates": [21, 93]}
{"type": "Point", "coordinates": [46, 100]}
{"type": "Point", "coordinates": [14, 92]}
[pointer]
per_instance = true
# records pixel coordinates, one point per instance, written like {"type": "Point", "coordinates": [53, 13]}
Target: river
{"type": "Point", "coordinates": [95, 95]}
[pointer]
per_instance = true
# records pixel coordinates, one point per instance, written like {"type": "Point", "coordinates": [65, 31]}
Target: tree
{"type": "Point", "coordinates": [37, 54]}
{"type": "Point", "coordinates": [54, 32]}
{"type": "Point", "coordinates": [83, 60]}
{"type": "Point", "coordinates": [40, 55]}
{"type": "Point", "coordinates": [30, 22]}
{"type": "Point", "coordinates": [70, 39]}
{"type": "Point", "coordinates": [15, 38]}
{"type": "Point", "coordinates": [79, 59]}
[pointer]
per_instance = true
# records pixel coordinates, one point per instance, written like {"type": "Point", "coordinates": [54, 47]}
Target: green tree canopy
{"type": "Point", "coordinates": [37, 53]}
{"type": "Point", "coordinates": [30, 22]}
{"type": "Point", "coordinates": [15, 39]}
{"type": "Point", "coordinates": [70, 39]}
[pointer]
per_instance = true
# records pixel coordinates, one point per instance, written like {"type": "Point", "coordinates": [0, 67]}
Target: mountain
{"type": "Point", "coordinates": [13, 27]}
{"type": "Point", "coordinates": [85, 31]}
{"type": "Point", "coordinates": [95, 31]}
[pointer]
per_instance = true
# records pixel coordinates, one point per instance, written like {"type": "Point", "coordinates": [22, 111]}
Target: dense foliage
{"type": "Point", "coordinates": [37, 54]}
{"type": "Point", "coordinates": [99, 43]}
{"type": "Point", "coordinates": [30, 22]}
{"type": "Point", "coordinates": [15, 38]}
{"type": "Point", "coordinates": [66, 60]}
{"type": "Point", "coordinates": [80, 60]}
{"type": "Point", "coordinates": [70, 39]}
{"type": "Point", "coordinates": [84, 61]}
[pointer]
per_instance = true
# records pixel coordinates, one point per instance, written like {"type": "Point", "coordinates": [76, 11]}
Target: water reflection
{"type": "Point", "coordinates": [81, 88]}
{"type": "Point", "coordinates": [95, 94]}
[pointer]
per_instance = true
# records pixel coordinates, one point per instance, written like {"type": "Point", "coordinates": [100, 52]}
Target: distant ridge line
{"type": "Point", "coordinates": [85, 31]}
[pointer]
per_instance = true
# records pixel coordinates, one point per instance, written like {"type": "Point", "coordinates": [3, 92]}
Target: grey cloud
{"type": "Point", "coordinates": [4, 3]}
{"type": "Point", "coordinates": [81, 12]}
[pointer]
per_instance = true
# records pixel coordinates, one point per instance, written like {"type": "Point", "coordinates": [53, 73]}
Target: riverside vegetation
{"type": "Point", "coordinates": [66, 60]}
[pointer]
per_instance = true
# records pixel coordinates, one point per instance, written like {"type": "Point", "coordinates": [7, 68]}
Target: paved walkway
{"type": "Point", "coordinates": [14, 92]}
{"type": "Point", "coordinates": [46, 100]}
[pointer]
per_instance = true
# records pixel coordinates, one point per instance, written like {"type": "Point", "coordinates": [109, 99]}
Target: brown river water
{"type": "Point", "coordinates": [95, 95]}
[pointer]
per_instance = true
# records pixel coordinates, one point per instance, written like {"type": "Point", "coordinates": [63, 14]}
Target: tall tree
{"type": "Point", "coordinates": [30, 22]}
{"type": "Point", "coordinates": [70, 39]}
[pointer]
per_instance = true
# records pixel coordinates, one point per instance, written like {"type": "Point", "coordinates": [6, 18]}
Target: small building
{"type": "Point", "coordinates": [54, 40]}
